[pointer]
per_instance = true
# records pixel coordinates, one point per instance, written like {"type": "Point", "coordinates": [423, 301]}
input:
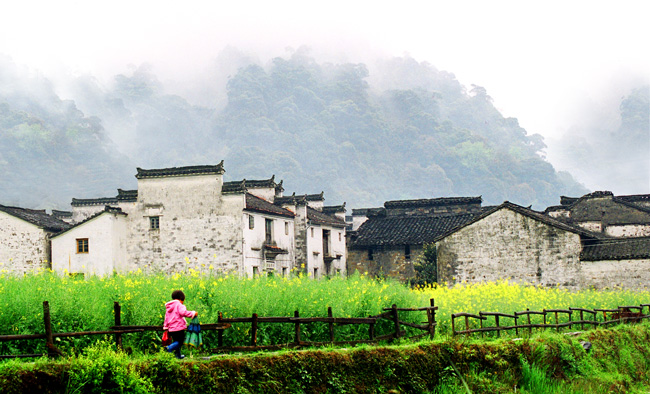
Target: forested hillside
{"type": "Point", "coordinates": [404, 130]}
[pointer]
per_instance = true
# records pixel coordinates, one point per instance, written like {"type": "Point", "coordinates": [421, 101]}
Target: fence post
{"type": "Point", "coordinates": [49, 339]}
{"type": "Point", "coordinates": [496, 321]}
{"type": "Point", "coordinates": [331, 325]}
{"type": "Point", "coordinates": [395, 320]}
{"type": "Point", "coordinates": [219, 332]}
{"type": "Point", "coordinates": [296, 333]}
{"type": "Point", "coordinates": [117, 310]}
{"type": "Point", "coordinates": [431, 318]}
{"type": "Point", "coordinates": [254, 330]}
{"type": "Point", "coordinates": [516, 325]}
{"type": "Point", "coordinates": [530, 328]}
{"type": "Point", "coordinates": [453, 325]}
{"type": "Point", "coordinates": [371, 330]}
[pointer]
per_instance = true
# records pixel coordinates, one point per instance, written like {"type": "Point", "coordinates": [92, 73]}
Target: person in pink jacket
{"type": "Point", "coordinates": [175, 323]}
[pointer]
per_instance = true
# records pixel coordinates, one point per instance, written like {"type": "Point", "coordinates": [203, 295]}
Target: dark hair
{"type": "Point", "coordinates": [178, 295]}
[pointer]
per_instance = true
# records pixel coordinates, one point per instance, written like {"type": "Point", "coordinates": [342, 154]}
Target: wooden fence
{"type": "Point", "coordinates": [550, 318]}
{"type": "Point", "coordinates": [391, 314]}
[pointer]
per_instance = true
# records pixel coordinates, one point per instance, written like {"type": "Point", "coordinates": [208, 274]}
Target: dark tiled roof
{"type": "Point", "coordinates": [234, 187]}
{"type": "Point", "coordinates": [564, 200]}
{"type": "Point", "coordinates": [315, 197]}
{"type": "Point", "coordinates": [432, 202]}
{"type": "Point", "coordinates": [555, 208]}
{"type": "Point", "coordinates": [332, 209]}
{"type": "Point", "coordinates": [362, 211]}
{"type": "Point", "coordinates": [533, 215]}
{"type": "Point", "coordinates": [290, 200]}
{"type": "Point", "coordinates": [106, 209]}
{"type": "Point", "coordinates": [317, 217]}
{"type": "Point", "coordinates": [77, 202]}
{"type": "Point", "coordinates": [180, 171]}
{"type": "Point", "coordinates": [245, 184]}
{"type": "Point", "coordinates": [122, 196]}
{"type": "Point", "coordinates": [127, 195]}
{"type": "Point", "coordinates": [407, 230]}
{"type": "Point", "coordinates": [61, 214]}
{"type": "Point", "coordinates": [617, 249]}
{"type": "Point", "coordinates": [256, 204]}
{"type": "Point", "coordinates": [254, 183]}
{"type": "Point", "coordinates": [36, 217]}
{"type": "Point", "coordinates": [635, 198]}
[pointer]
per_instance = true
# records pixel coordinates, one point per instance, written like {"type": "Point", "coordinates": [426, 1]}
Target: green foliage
{"type": "Point", "coordinates": [426, 267]}
{"type": "Point", "coordinates": [87, 305]}
{"type": "Point", "coordinates": [102, 369]}
{"type": "Point", "coordinates": [618, 363]}
{"type": "Point", "coordinates": [317, 126]}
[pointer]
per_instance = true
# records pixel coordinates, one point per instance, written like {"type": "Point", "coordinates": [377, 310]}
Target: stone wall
{"type": "Point", "coordinates": [609, 274]}
{"type": "Point", "coordinates": [25, 247]}
{"type": "Point", "coordinates": [632, 230]}
{"type": "Point", "coordinates": [199, 228]}
{"type": "Point", "coordinates": [512, 246]}
{"type": "Point", "coordinates": [387, 261]}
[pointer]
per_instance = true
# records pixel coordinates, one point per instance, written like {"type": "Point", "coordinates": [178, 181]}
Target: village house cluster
{"type": "Point", "coordinates": [181, 219]}
{"type": "Point", "coordinates": [187, 218]}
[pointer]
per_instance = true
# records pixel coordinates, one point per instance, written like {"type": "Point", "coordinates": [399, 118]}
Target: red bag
{"type": "Point", "coordinates": [166, 338]}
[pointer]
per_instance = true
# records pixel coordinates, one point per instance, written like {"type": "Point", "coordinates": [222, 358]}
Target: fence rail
{"type": "Point", "coordinates": [551, 318]}
{"type": "Point", "coordinates": [391, 314]}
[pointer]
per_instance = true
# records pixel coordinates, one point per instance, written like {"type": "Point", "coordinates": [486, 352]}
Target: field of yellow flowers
{"type": "Point", "coordinates": [87, 304]}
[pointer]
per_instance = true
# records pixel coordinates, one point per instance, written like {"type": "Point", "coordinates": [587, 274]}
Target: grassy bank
{"type": "Point", "coordinates": [618, 361]}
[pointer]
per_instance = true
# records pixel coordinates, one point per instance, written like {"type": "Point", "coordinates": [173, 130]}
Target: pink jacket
{"type": "Point", "coordinates": [175, 316]}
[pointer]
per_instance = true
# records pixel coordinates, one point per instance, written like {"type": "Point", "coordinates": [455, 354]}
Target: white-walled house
{"type": "Point", "coordinates": [24, 239]}
{"type": "Point", "coordinates": [320, 235]}
{"type": "Point", "coordinates": [186, 218]}
{"type": "Point", "coordinates": [95, 246]}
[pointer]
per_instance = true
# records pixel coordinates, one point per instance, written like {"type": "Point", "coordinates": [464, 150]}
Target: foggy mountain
{"type": "Point", "coordinates": [362, 133]}
{"type": "Point", "coordinates": [611, 147]}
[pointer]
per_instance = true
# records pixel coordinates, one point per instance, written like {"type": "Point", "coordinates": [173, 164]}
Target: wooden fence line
{"type": "Point", "coordinates": [223, 323]}
{"type": "Point", "coordinates": [622, 314]}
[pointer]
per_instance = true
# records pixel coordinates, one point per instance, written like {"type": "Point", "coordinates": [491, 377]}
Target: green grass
{"type": "Point", "coordinates": [87, 305]}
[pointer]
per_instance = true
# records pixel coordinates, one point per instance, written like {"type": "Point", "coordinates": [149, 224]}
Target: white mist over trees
{"type": "Point", "coordinates": [363, 133]}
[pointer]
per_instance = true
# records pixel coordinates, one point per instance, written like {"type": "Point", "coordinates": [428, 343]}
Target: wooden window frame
{"type": "Point", "coordinates": [82, 246]}
{"type": "Point", "coordinates": [154, 222]}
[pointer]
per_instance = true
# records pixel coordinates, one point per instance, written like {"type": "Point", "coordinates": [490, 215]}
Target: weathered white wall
{"type": "Point", "coordinates": [630, 230]}
{"type": "Point", "coordinates": [106, 235]}
{"type": "Point", "coordinates": [83, 212]}
{"type": "Point", "coordinates": [625, 274]}
{"type": "Point", "coordinates": [508, 245]}
{"type": "Point", "coordinates": [357, 221]}
{"type": "Point", "coordinates": [25, 247]}
{"type": "Point", "coordinates": [199, 228]}
{"type": "Point", "coordinates": [254, 239]}
{"type": "Point", "coordinates": [265, 193]}
{"type": "Point", "coordinates": [595, 227]}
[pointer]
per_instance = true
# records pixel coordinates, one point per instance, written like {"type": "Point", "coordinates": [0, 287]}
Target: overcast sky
{"type": "Point", "coordinates": [539, 60]}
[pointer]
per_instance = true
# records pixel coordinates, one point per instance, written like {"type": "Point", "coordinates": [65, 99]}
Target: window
{"type": "Point", "coordinates": [339, 236]}
{"type": "Point", "coordinates": [284, 271]}
{"type": "Point", "coordinates": [370, 255]}
{"type": "Point", "coordinates": [255, 272]}
{"type": "Point", "coordinates": [82, 245]}
{"type": "Point", "coordinates": [268, 230]}
{"type": "Point", "coordinates": [312, 232]}
{"type": "Point", "coordinates": [154, 222]}
{"type": "Point", "coordinates": [315, 273]}
{"type": "Point", "coordinates": [251, 222]}
{"type": "Point", "coordinates": [326, 242]}
{"type": "Point", "coordinates": [407, 252]}
{"type": "Point", "coordinates": [286, 228]}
